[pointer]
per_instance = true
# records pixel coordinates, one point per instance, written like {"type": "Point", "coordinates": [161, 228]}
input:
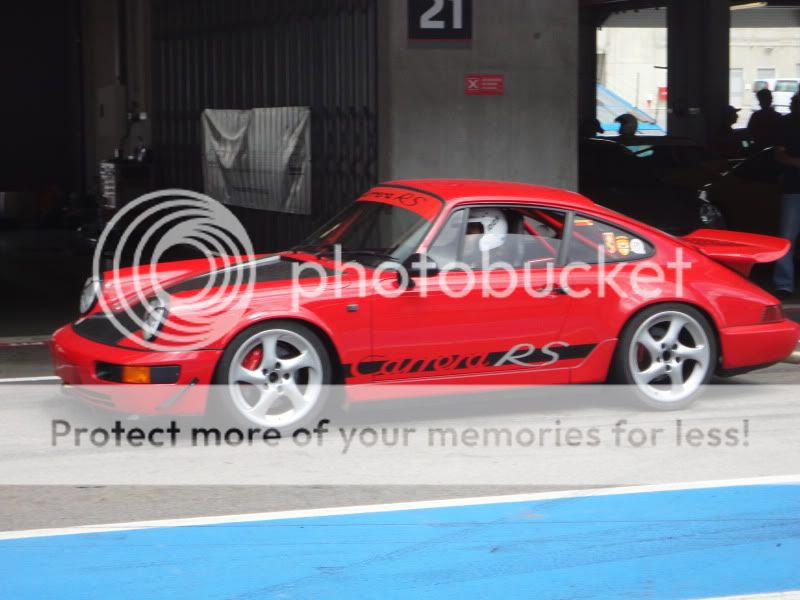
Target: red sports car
{"type": "Point", "coordinates": [434, 281]}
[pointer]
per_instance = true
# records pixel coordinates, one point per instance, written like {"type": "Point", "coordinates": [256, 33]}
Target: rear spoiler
{"type": "Point", "coordinates": [737, 250]}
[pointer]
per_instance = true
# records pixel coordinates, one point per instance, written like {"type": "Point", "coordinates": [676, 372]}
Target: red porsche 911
{"type": "Point", "coordinates": [430, 281]}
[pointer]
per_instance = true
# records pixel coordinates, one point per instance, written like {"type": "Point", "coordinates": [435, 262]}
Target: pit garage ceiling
{"type": "Point", "coordinates": [633, 13]}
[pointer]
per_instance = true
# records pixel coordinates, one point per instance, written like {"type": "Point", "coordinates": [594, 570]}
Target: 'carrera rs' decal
{"type": "Point", "coordinates": [522, 355]}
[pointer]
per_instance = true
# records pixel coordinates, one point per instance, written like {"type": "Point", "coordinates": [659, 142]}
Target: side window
{"type": "Point", "coordinates": [541, 237]}
{"type": "Point", "coordinates": [592, 238]}
{"type": "Point", "coordinates": [499, 236]}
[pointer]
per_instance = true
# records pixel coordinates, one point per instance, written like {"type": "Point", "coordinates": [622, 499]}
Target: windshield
{"type": "Point", "coordinates": [372, 232]}
{"type": "Point", "coordinates": [787, 85]}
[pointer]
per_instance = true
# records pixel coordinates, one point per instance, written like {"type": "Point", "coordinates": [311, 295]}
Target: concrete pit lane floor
{"type": "Point", "coordinates": [45, 506]}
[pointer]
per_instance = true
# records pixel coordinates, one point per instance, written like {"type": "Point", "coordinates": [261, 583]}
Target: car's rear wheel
{"type": "Point", "coordinates": [666, 353]}
{"type": "Point", "coordinates": [273, 375]}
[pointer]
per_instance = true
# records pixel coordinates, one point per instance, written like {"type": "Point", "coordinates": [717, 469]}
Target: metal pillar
{"type": "Point", "coordinates": [698, 40]}
{"type": "Point", "coordinates": [587, 64]}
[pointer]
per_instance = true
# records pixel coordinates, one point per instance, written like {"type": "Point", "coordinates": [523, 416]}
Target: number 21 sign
{"type": "Point", "coordinates": [440, 20]}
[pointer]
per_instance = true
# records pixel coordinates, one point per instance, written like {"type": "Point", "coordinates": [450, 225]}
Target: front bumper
{"type": "Point", "coordinates": [75, 358]}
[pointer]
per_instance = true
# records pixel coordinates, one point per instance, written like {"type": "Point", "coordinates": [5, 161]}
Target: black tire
{"type": "Point", "coordinates": [632, 366]}
{"type": "Point", "coordinates": [228, 406]}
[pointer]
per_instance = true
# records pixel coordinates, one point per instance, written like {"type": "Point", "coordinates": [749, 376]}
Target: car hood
{"type": "Point", "coordinates": [190, 285]}
{"type": "Point", "coordinates": [184, 278]}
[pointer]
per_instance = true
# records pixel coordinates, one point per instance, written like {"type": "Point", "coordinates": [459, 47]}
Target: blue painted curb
{"type": "Point", "coordinates": [690, 543]}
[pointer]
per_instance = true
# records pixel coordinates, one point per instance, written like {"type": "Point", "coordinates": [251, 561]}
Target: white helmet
{"type": "Point", "coordinates": [495, 227]}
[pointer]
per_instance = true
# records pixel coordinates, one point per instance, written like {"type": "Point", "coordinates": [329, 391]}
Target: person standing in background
{"type": "Point", "coordinates": [764, 125]}
{"type": "Point", "coordinates": [728, 141]}
{"type": "Point", "coordinates": [787, 153]}
{"type": "Point", "coordinates": [628, 126]}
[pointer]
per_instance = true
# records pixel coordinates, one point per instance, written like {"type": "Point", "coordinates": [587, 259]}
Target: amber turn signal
{"type": "Point", "coordinates": [135, 374]}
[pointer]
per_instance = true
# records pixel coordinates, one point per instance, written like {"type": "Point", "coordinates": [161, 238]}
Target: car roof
{"type": "Point", "coordinates": [453, 191]}
{"type": "Point", "coordinates": [661, 140]}
{"type": "Point", "coordinates": [608, 144]}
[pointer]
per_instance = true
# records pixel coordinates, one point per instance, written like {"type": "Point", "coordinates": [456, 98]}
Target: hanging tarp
{"type": "Point", "coordinates": [259, 158]}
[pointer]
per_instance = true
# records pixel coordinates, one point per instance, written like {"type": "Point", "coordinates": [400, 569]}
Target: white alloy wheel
{"type": "Point", "coordinates": [670, 356]}
{"type": "Point", "coordinates": [275, 378]}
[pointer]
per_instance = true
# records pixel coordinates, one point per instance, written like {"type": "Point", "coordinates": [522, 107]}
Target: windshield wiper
{"type": "Point", "coordinates": [374, 253]}
{"type": "Point", "coordinates": [314, 249]}
{"type": "Point", "coordinates": [318, 250]}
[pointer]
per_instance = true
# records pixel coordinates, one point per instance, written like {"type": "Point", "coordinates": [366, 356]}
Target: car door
{"type": "Point", "coordinates": [493, 321]}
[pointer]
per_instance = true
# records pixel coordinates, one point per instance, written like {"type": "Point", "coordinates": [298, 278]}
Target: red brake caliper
{"type": "Point", "coordinates": [641, 354]}
{"type": "Point", "coordinates": [252, 361]}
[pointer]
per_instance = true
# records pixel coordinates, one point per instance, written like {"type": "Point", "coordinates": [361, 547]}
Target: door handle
{"type": "Point", "coordinates": [556, 291]}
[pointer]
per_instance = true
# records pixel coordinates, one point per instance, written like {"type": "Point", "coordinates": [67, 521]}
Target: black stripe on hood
{"type": "Point", "coordinates": [270, 271]}
{"type": "Point", "coordinates": [100, 328]}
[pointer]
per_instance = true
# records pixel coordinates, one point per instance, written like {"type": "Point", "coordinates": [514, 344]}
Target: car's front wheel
{"type": "Point", "coordinates": [273, 375]}
{"type": "Point", "coordinates": [667, 353]}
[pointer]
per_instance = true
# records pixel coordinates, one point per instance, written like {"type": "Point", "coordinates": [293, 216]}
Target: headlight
{"type": "Point", "coordinates": [710, 215]}
{"type": "Point", "coordinates": [89, 295]}
{"type": "Point", "coordinates": [154, 319]}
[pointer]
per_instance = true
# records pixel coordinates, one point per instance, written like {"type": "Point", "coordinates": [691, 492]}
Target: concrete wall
{"type": "Point", "coordinates": [430, 128]}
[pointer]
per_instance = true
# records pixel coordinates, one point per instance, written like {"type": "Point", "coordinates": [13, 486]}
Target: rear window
{"type": "Point", "coordinates": [592, 238]}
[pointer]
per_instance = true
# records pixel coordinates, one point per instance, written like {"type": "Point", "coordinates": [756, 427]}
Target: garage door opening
{"type": "Point", "coordinates": [632, 70]}
{"type": "Point", "coordinates": [764, 47]}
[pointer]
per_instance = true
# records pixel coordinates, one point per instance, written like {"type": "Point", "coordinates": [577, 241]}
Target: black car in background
{"type": "Point", "coordinates": [678, 160]}
{"type": "Point", "coordinates": [612, 175]}
{"type": "Point", "coordinates": [749, 195]}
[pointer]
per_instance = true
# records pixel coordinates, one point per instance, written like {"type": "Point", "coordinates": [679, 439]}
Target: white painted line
{"type": "Point", "coordinates": [29, 379]}
{"type": "Point", "coordinates": [28, 340]}
{"type": "Point", "coordinates": [25, 338]}
{"type": "Point", "coordinates": [379, 508]}
{"type": "Point", "coordinates": [789, 595]}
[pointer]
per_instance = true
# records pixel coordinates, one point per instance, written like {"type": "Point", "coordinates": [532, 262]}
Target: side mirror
{"type": "Point", "coordinates": [419, 265]}
{"type": "Point", "coordinates": [416, 265]}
